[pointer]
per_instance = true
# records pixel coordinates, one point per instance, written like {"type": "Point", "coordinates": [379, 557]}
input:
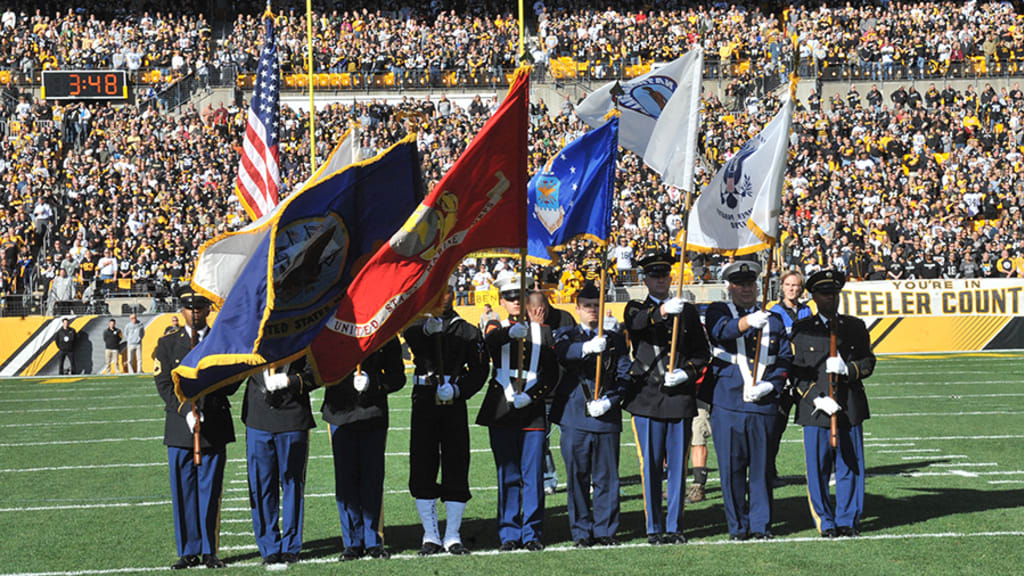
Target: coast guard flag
{"type": "Point", "coordinates": [258, 171]}
{"type": "Point", "coordinates": [317, 243]}
{"type": "Point", "coordinates": [642, 100]}
{"type": "Point", "coordinates": [672, 148]}
{"type": "Point", "coordinates": [479, 204]}
{"type": "Point", "coordinates": [222, 259]}
{"type": "Point", "coordinates": [738, 211]}
{"type": "Point", "coordinates": [572, 195]}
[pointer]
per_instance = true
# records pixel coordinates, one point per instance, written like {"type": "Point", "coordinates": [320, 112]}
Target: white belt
{"type": "Point", "coordinates": [729, 357]}
{"type": "Point", "coordinates": [420, 380]}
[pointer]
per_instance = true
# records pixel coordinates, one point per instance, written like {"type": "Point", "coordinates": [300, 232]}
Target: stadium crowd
{"type": "Point", "coordinates": [893, 183]}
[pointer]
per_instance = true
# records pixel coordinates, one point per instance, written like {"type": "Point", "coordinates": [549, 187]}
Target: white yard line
{"type": "Point", "coordinates": [906, 451]}
{"type": "Point", "coordinates": [66, 442]}
{"type": "Point", "coordinates": [946, 396]}
{"type": "Point", "coordinates": [82, 422]}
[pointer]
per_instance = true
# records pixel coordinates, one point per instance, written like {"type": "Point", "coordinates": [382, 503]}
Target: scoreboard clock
{"type": "Point", "coordinates": [85, 85]}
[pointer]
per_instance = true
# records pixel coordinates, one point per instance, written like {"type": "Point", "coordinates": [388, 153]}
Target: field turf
{"type": "Point", "coordinates": [84, 489]}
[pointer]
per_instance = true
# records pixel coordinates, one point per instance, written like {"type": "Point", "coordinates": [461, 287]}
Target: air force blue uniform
{"type": "Point", "coordinates": [741, 430]}
{"type": "Point", "coordinates": [590, 446]}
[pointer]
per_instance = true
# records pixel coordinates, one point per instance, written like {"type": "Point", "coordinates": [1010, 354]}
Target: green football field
{"type": "Point", "coordinates": [84, 489]}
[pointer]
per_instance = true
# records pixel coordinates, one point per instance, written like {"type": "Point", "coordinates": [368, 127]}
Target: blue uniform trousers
{"type": "Point", "coordinates": [848, 461]}
{"type": "Point", "coordinates": [657, 442]}
{"type": "Point", "coordinates": [591, 459]}
{"type": "Point", "coordinates": [742, 442]}
{"type": "Point", "coordinates": [518, 456]}
{"type": "Point", "coordinates": [195, 499]}
{"type": "Point", "coordinates": [277, 472]}
{"type": "Point", "coordinates": [359, 484]}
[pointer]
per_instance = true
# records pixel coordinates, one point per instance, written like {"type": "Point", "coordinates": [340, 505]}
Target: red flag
{"type": "Point", "coordinates": [479, 204]}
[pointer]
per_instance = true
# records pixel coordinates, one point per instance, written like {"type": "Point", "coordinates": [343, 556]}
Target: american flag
{"type": "Point", "coordinates": [258, 175]}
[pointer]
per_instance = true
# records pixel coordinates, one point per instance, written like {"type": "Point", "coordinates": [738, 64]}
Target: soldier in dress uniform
{"type": "Point", "coordinates": [513, 411]}
{"type": "Point", "coordinates": [745, 399]}
{"type": "Point", "coordinates": [357, 411]}
{"type": "Point", "coordinates": [663, 403]}
{"type": "Point", "coordinates": [451, 366]}
{"type": "Point", "coordinates": [277, 417]}
{"type": "Point", "coordinates": [591, 426]}
{"type": "Point", "coordinates": [812, 367]}
{"type": "Point", "coordinates": [195, 490]}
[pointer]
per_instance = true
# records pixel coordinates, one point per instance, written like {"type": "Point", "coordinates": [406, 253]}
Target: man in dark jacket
{"type": "Point", "coordinates": [813, 367]}
{"type": "Point", "coordinates": [65, 340]}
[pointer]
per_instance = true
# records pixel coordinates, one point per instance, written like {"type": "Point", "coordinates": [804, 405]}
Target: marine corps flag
{"type": "Point", "coordinates": [738, 211]}
{"type": "Point", "coordinates": [308, 253]}
{"type": "Point", "coordinates": [479, 204]}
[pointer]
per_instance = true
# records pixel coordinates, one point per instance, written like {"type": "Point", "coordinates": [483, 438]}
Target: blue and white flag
{"type": "Point", "coordinates": [572, 195]}
{"type": "Point", "coordinates": [292, 281]}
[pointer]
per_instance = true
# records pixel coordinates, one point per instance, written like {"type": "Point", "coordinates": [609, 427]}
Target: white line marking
{"type": "Point", "coordinates": [1006, 481]}
{"type": "Point", "coordinates": [963, 464]}
{"type": "Point", "coordinates": [907, 451]}
{"type": "Point", "coordinates": [332, 560]}
{"type": "Point", "coordinates": [870, 384]}
{"type": "Point", "coordinates": [947, 396]}
{"type": "Point", "coordinates": [77, 409]}
{"type": "Point", "coordinates": [938, 457]}
{"type": "Point", "coordinates": [964, 473]}
{"type": "Point", "coordinates": [83, 467]}
{"type": "Point", "coordinates": [909, 414]}
{"type": "Point", "coordinates": [77, 398]}
{"type": "Point", "coordinates": [87, 506]}
{"type": "Point", "coordinates": [947, 474]}
{"type": "Point", "coordinates": [96, 441]}
{"type": "Point", "coordinates": [89, 422]}
{"type": "Point", "coordinates": [889, 445]}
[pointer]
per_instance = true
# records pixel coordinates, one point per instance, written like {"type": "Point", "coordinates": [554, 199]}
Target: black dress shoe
{"type": "Point", "coordinates": [351, 553]}
{"type": "Point", "coordinates": [533, 546]}
{"type": "Point", "coordinates": [274, 558]}
{"type": "Point", "coordinates": [761, 536]}
{"type": "Point", "coordinates": [430, 548]}
{"type": "Point", "coordinates": [289, 558]}
{"type": "Point", "coordinates": [737, 537]}
{"type": "Point", "coordinates": [188, 561]}
{"type": "Point", "coordinates": [655, 539]}
{"type": "Point", "coordinates": [509, 546]}
{"type": "Point", "coordinates": [211, 561]}
{"type": "Point", "coordinates": [847, 532]}
{"type": "Point", "coordinates": [378, 552]}
{"type": "Point", "coordinates": [673, 538]}
{"type": "Point", "coordinates": [607, 541]}
{"type": "Point", "coordinates": [829, 533]}
{"type": "Point", "coordinates": [457, 549]}
{"type": "Point", "coordinates": [583, 543]}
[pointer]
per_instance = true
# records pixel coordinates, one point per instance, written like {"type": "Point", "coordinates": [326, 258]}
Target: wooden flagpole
{"type": "Point", "coordinates": [600, 332]}
{"type": "Point", "coordinates": [687, 204]}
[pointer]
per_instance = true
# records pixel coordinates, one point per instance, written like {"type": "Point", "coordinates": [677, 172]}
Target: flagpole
{"type": "Point", "coordinates": [309, 77]}
{"type": "Point", "coordinates": [522, 317]}
{"type": "Point", "coordinates": [600, 333]}
{"type": "Point", "coordinates": [687, 204]}
{"type": "Point", "coordinates": [522, 31]}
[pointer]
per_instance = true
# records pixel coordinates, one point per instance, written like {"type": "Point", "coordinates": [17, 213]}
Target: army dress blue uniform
{"type": "Point", "coordinates": [590, 446]}
{"type": "Point", "coordinates": [811, 349]}
{"type": "Point", "coordinates": [742, 430]}
{"type": "Point", "coordinates": [195, 491]}
{"type": "Point", "coordinates": [662, 416]}
{"type": "Point", "coordinates": [277, 428]}
{"type": "Point", "coordinates": [517, 434]}
{"type": "Point", "coordinates": [359, 425]}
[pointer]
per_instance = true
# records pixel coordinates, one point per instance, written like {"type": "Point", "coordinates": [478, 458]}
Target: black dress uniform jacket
{"type": "Point", "coordinates": [284, 410]}
{"type": "Point", "coordinates": [461, 352]}
{"type": "Point", "coordinates": [650, 334]}
{"type": "Point", "coordinates": [216, 428]}
{"type": "Point", "coordinates": [811, 349]}
{"type": "Point", "coordinates": [496, 410]}
{"type": "Point", "coordinates": [367, 410]}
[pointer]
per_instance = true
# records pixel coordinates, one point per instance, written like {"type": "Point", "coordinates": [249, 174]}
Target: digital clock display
{"type": "Point", "coordinates": [85, 84]}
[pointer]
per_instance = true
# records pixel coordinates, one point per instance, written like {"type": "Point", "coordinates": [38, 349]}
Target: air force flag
{"type": "Point", "coordinates": [572, 195]}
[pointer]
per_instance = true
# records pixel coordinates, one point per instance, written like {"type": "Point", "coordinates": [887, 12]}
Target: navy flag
{"type": "Point", "coordinates": [572, 195]}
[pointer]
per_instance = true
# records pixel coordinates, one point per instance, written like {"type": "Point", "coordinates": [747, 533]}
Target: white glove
{"type": "Point", "coordinates": [433, 325]}
{"type": "Point", "coordinates": [360, 381]}
{"type": "Point", "coordinates": [445, 392]}
{"type": "Point", "coordinates": [676, 377]}
{"type": "Point", "coordinates": [836, 365]}
{"type": "Point", "coordinates": [757, 320]}
{"type": "Point", "coordinates": [826, 405]}
{"type": "Point", "coordinates": [510, 394]}
{"type": "Point", "coordinates": [275, 382]}
{"type": "Point", "coordinates": [598, 408]}
{"type": "Point", "coordinates": [190, 419]}
{"type": "Point", "coordinates": [757, 391]}
{"type": "Point", "coordinates": [595, 345]}
{"type": "Point", "coordinates": [521, 400]}
{"type": "Point", "coordinates": [674, 306]}
{"type": "Point", "coordinates": [518, 331]}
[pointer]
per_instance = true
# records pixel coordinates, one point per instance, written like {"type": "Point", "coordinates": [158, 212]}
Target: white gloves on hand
{"type": "Point", "coordinates": [676, 377]}
{"type": "Point", "coordinates": [445, 392]}
{"type": "Point", "coordinates": [190, 419]}
{"type": "Point", "coordinates": [673, 306]}
{"type": "Point", "coordinates": [759, 319]}
{"type": "Point", "coordinates": [757, 391]}
{"type": "Point", "coordinates": [360, 381]}
{"type": "Point", "coordinates": [595, 345]}
{"type": "Point", "coordinates": [521, 400]}
{"type": "Point", "coordinates": [599, 407]}
{"type": "Point", "coordinates": [433, 325]}
{"type": "Point", "coordinates": [518, 331]}
{"type": "Point", "coordinates": [510, 394]}
{"type": "Point", "coordinates": [275, 382]}
{"type": "Point", "coordinates": [836, 365]}
{"type": "Point", "coordinates": [826, 405]}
